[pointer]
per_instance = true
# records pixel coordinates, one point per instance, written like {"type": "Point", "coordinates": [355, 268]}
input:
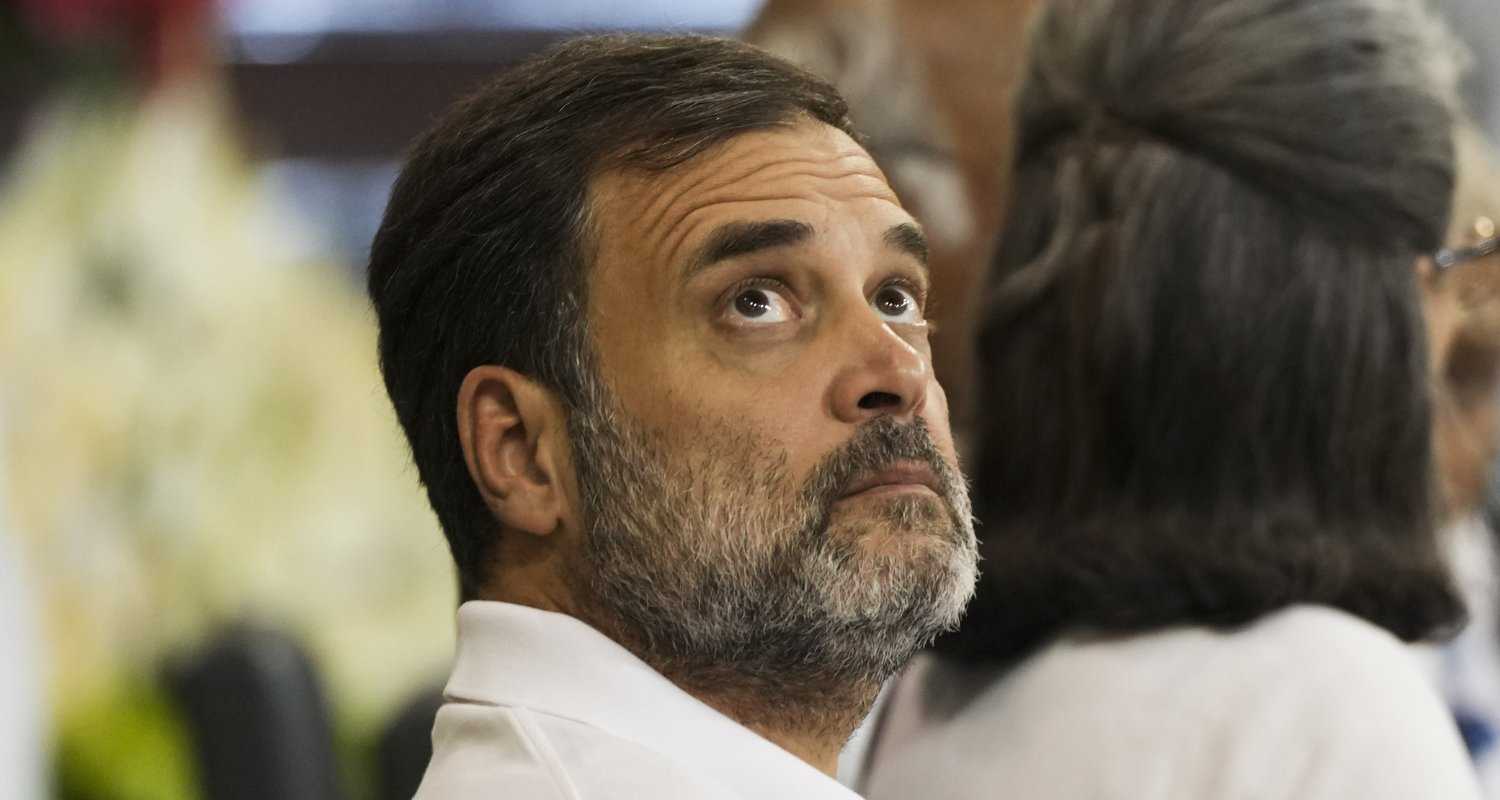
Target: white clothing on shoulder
{"type": "Point", "coordinates": [1309, 703]}
{"type": "Point", "coordinates": [541, 706]}
{"type": "Point", "coordinates": [1466, 670]}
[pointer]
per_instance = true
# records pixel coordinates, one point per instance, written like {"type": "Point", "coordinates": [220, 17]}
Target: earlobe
{"type": "Point", "coordinates": [506, 423]}
{"type": "Point", "coordinates": [1425, 270]}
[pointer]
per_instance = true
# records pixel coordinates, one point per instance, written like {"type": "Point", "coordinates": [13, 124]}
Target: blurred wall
{"type": "Point", "coordinates": [1477, 22]}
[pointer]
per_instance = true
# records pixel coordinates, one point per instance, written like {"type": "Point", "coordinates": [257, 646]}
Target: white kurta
{"type": "Point", "coordinates": [1306, 704]}
{"type": "Point", "coordinates": [541, 706]}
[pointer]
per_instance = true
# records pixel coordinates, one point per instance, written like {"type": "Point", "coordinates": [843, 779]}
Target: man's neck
{"type": "Point", "coordinates": [810, 720]}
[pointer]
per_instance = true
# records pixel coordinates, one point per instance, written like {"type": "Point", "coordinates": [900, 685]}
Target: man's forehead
{"type": "Point", "coordinates": [805, 141]}
{"type": "Point", "coordinates": [807, 163]}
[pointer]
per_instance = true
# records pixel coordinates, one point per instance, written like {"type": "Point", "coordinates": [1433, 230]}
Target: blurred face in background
{"type": "Point", "coordinates": [1462, 310]}
{"type": "Point", "coordinates": [764, 467]}
{"type": "Point", "coordinates": [1464, 329]}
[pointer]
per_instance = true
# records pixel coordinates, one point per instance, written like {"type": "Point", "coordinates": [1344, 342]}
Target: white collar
{"type": "Point", "coordinates": [514, 655]}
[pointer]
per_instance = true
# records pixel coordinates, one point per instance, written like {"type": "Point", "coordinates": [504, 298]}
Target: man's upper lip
{"type": "Point", "coordinates": [909, 472]}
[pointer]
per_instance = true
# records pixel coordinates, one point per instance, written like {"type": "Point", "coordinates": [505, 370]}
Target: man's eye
{"type": "Point", "coordinates": [896, 303]}
{"type": "Point", "coordinates": [759, 306]}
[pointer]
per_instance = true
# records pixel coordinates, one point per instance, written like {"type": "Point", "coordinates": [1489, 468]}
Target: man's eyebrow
{"type": "Point", "coordinates": [909, 239]}
{"type": "Point", "coordinates": [736, 239]}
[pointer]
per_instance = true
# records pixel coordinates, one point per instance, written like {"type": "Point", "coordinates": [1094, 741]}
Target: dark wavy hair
{"type": "Point", "coordinates": [481, 257]}
{"type": "Point", "coordinates": [1202, 367]}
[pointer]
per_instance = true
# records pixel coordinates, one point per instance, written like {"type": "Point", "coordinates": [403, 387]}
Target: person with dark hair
{"type": "Point", "coordinates": [1203, 457]}
{"type": "Point", "coordinates": [652, 321]}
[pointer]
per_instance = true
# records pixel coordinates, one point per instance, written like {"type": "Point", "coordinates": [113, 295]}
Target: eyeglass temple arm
{"type": "Point", "coordinates": [1448, 258]}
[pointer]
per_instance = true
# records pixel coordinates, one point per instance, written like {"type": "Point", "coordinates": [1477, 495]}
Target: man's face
{"type": "Point", "coordinates": [932, 86]}
{"type": "Point", "coordinates": [765, 470]}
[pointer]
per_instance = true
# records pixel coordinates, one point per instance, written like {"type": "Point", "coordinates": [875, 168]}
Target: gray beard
{"type": "Point", "coordinates": [707, 561]}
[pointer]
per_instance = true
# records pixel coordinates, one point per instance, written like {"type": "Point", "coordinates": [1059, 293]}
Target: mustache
{"type": "Point", "coordinates": [875, 446]}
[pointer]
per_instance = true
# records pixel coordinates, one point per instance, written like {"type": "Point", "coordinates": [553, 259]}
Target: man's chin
{"type": "Point", "coordinates": [903, 574]}
{"type": "Point", "coordinates": [903, 520]}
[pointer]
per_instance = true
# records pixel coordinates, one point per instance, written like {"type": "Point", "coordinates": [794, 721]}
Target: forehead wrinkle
{"type": "Point", "coordinates": [730, 152]}
{"type": "Point", "coordinates": [714, 178]}
{"type": "Point", "coordinates": [667, 188]}
{"type": "Point", "coordinates": [662, 201]}
{"type": "Point", "coordinates": [869, 186]}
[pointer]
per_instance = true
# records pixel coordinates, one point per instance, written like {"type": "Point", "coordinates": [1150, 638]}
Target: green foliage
{"type": "Point", "coordinates": [131, 745]}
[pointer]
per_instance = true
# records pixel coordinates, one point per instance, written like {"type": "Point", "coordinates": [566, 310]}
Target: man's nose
{"type": "Point", "coordinates": [881, 373]}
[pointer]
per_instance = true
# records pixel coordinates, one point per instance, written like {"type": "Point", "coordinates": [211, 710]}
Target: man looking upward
{"type": "Point", "coordinates": [653, 323]}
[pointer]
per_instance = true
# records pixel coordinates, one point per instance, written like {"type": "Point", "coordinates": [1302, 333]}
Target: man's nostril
{"type": "Point", "coordinates": [876, 400]}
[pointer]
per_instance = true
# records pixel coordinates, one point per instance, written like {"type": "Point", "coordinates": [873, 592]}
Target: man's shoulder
{"type": "Point", "coordinates": [487, 750]}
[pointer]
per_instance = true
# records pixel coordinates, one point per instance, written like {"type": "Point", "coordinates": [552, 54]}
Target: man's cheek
{"type": "Point", "coordinates": [935, 411]}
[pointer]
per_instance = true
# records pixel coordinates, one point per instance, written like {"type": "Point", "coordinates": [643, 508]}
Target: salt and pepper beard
{"type": "Point", "coordinates": [702, 555]}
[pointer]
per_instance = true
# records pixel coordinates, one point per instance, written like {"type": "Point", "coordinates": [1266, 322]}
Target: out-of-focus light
{"type": "Point", "coordinates": [248, 18]}
{"type": "Point", "coordinates": [278, 17]}
{"type": "Point", "coordinates": [276, 48]}
{"type": "Point", "coordinates": [694, 14]}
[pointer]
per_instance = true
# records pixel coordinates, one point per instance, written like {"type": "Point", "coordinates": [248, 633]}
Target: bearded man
{"type": "Point", "coordinates": [653, 322]}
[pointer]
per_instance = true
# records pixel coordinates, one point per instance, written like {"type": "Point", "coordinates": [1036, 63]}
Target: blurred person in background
{"type": "Point", "coordinates": [932, 89]}
{"type": "Point", "coordinates": [1478, 23]}
{"type": "Point", "coordinates": [1461, 297]}
{"type": "Point", "coordinates": [653, 323]}
{"type": "Point", "coordinates": [1204, 442]}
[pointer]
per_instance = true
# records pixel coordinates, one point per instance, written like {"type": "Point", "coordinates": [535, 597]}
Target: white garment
{"type": "Point", "coordinates": [1307, 704]}
{"type": "Point", "coordinates": [1466, 670]}
{"type": "Point", "coordinates": [542, 706]}
{"type": "Point", "coordinates": [856, 753]}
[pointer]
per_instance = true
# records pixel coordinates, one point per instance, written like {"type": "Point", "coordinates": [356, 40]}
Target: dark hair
{"type": "Point", "coordinates": [482, 255]}
{"type": "Point", "coordinates": [1202, 363]}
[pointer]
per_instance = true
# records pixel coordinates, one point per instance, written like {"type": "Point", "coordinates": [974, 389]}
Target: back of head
{"type": "Point", "coordinates": [1201, 363]}
{"type": "Point", "coordinates": [481, 256]}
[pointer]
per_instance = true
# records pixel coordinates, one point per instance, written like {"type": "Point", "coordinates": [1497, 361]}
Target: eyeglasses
{"type": "Point", "coordinates": [1484, 231]}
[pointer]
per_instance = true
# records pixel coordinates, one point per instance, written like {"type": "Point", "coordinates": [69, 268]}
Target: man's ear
{"type": "Point", "coordinates": [513, 432]}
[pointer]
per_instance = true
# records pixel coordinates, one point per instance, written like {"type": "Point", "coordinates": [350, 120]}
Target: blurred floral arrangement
{"type": "Point", "coordinates": [193, 420]}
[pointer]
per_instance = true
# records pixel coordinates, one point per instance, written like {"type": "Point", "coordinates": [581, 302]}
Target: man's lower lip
{"type": "Point", "coordinates": [888, 488]}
